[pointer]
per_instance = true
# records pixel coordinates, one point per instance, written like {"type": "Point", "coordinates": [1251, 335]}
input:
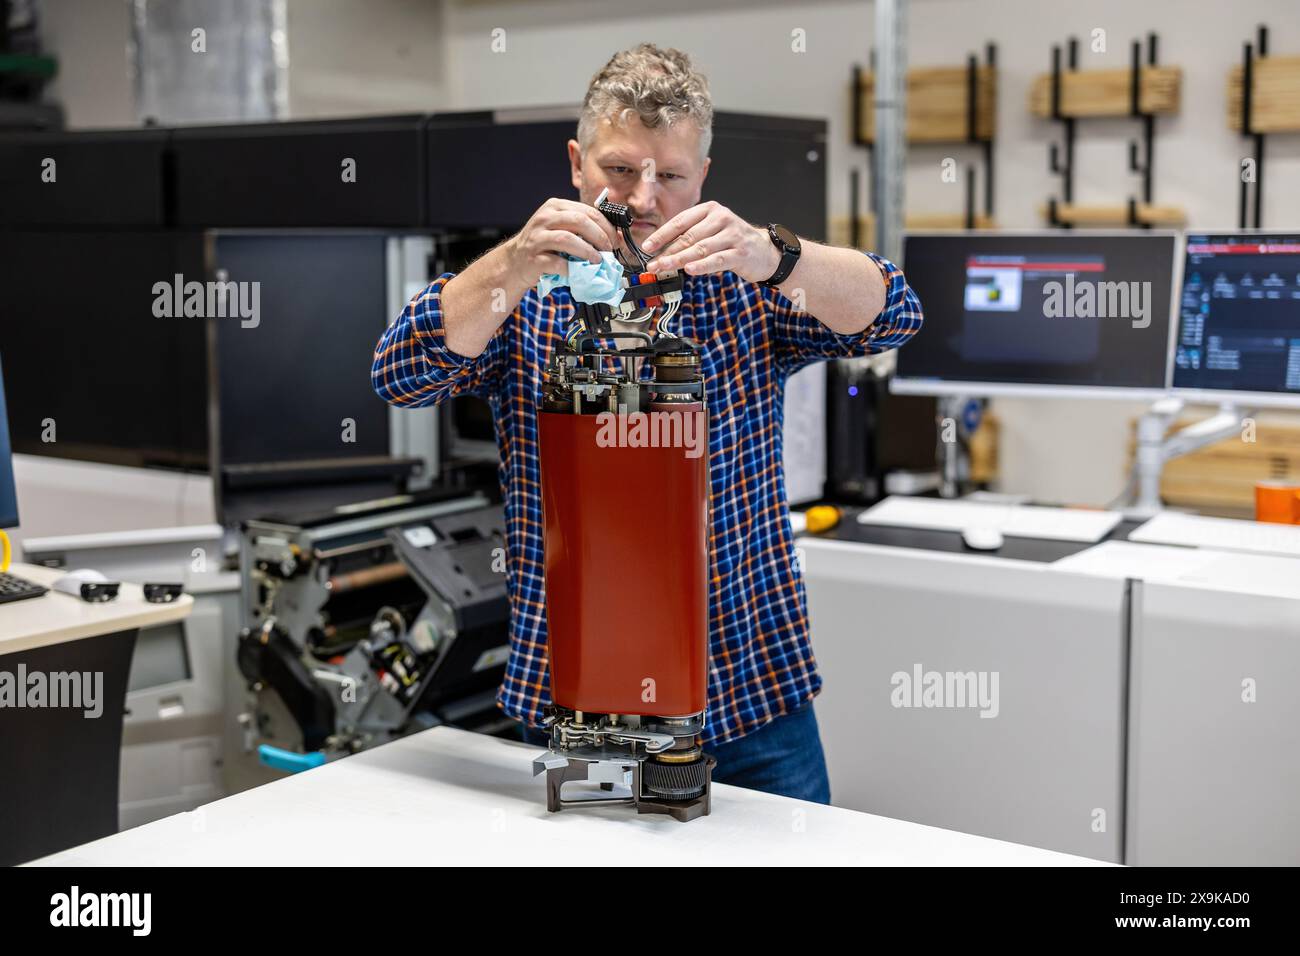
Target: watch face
{"type": "Point", "coordinates": [787, 237]}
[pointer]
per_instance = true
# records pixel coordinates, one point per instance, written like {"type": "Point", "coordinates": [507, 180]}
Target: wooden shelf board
{"type": "Point", "coordinates": [940, 221]}
{"type": "Point", "coordinates": [920, 222]}
{"type": "Point", "coordinates": [937, 104]}
{"type": "Point", "coordinates": [1117, 215]}
{"type": "Point", "coordinates": [839, 231]}
{"type": "Point", "coordinates": [1096, 93]}
{"type": "Point", "coordinates": [1276, 95]}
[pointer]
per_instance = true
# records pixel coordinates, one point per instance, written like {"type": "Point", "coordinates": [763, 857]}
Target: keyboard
{"type": "Point", "coordinates": [1226, 534]}
{"type": "Point", "coordinates": [14, 588]}
{"type": "Point", "coordinates": [1017, 521]}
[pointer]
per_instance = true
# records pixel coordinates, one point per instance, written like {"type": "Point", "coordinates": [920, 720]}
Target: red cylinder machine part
{"type": "Point", "coordinates": [625, 491]}
{"type": "Point", "coordinates": [626, 569]}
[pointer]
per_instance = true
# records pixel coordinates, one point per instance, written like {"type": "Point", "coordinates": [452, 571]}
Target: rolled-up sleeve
{"type": "Point", "coordinates": [414, 367]}
{"type": "Point", "coordinates": [801, 338]}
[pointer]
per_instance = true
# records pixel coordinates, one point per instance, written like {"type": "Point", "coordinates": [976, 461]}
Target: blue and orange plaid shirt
{"type": "Point", "coordinates": [752, 340]}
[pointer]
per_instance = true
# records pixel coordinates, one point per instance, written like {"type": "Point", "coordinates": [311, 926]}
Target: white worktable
{"type": "Point", "coordinates": [448, 796]}
{"type": "Point", "coordinates": [57, 617]}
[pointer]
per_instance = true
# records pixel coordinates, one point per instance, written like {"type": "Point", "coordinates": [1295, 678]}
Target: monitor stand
{"type": "Point", "coordinates": [1154, 448]}
{"type": "Point", "coordinates": [954, 441]}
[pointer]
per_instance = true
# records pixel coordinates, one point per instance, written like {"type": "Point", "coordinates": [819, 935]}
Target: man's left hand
{"type": "Point", "coordinates": [711, 238]}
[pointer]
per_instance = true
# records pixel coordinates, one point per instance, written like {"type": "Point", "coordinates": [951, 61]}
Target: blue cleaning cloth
{"type": "Point", "coordinates": [587, 281]}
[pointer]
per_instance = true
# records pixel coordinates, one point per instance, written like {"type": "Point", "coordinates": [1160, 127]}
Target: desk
{"type": "Point", "coordinates": [1014, 548]}
{"type": "Point", "coordinates": [1129, 700]}
{"type": "Point", "coordinates": [1024, 741]}
{"type": "Point", "coordinates": [1213, 771]}
{"type": "Point", "coordinates": [59, 768]}
{"type": "Point", "coordinates": [450, 797]}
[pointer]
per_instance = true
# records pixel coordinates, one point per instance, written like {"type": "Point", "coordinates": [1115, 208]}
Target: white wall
{"type": "Point", "coordinates": [349, 57]}
{"type": "Point", "coordinates": [346, 58]}
{"type": "Point", "coordinates": [58, 497]}
{"type": "Point", "coordinates": [90, 39]}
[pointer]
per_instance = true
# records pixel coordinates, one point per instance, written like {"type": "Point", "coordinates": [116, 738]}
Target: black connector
{"type": "Point", "coordinates": [617, 213]}
{"type": "Point", "coordinates": [162, 593]}
{"type": "Point", "coordinates": [99, 592]}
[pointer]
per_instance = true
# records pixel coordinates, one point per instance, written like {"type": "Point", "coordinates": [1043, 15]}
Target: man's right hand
{"type": "Point", "coordinates": [477, 301]}
{"type": "Point", "coordinates": [560, 225]}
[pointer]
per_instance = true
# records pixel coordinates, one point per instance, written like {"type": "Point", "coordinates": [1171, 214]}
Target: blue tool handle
{"type": "Point", "coordinates": [281, 759]}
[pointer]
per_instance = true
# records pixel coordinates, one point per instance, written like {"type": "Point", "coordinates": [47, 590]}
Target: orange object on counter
{"type": "Point", "coordinates": [1277, 502]}
{"type": "Point", "coordinates": [821, 518]}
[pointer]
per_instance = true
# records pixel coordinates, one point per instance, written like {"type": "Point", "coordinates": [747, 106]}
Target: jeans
{"type": "Point", "coordinates": [784, 757]}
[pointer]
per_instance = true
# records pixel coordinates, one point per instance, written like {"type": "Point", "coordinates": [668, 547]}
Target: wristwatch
{"type": "Point", "coordinates": [788, 244]}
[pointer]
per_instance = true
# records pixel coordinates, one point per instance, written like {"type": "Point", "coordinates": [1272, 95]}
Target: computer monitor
{"type": "Point", "coordinates": [1058, 314]}
{"type": "Point", "coordinates": [1238, 331]}
{"type": "Point", "coordinates": [8, 487]}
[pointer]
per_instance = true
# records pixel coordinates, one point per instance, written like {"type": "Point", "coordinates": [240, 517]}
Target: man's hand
{"type": "Point", "coordinates": [711, 238]}
{"type": "Point", "coordinates": [844, 289]}
{"type": "Point", "coordinates": [477, 301]}
{"type": "Point", "coordinates": [559, 225]}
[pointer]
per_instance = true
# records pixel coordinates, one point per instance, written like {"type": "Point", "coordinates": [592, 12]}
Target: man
{"type": "Point", "coordinates": [644, 135]}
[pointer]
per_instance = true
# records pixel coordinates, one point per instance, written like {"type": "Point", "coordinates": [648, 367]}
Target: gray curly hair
{"type": "Point", "coordinates": [658, 85]}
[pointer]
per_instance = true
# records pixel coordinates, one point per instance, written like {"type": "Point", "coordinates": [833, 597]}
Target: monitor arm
{"type": "Point", "coordinates": [1155, 447]}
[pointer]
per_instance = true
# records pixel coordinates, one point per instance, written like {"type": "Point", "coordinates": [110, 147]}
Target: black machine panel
{"type": "Point", "coordinates": [460, 557]}
{"type": "Point", "coordinates": [770, 169]}
{"type": "Point", "coordinates": [494, 176]}
{"type": "Point", "coordinates": [114, 178]}
{"type": "Point", "coordinates": [292, 174]}
{"type": "Point", "coordinates": [129, 387]}
{"type": "Point", "coordinates": [85, 350]}
{"type": "Point", "coordinates": [766, 168]}
{"type": "Point", "coordinates": [280, 394]}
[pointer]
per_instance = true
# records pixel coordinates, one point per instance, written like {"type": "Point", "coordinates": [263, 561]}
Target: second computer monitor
{"type": "Point", "coordinates": [1238, 336]}
{"type": "Point", "coordinates": [1039, 313]}
{"type": "Point", "coordinates": [8, 487]}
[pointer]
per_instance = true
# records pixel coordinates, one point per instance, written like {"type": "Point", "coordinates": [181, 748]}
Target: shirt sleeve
{"type": "Point", "coordinates": [413, 366]}
{"type": "Point", "coordinates": [801, 339]}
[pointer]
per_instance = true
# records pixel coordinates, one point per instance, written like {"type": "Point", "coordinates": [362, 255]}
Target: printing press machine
{"type": "Point", "coordinates": [369, 622]}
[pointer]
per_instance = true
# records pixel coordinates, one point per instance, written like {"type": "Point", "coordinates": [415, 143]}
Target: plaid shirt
{"type": "Point", "coordinates": [761, 661]}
